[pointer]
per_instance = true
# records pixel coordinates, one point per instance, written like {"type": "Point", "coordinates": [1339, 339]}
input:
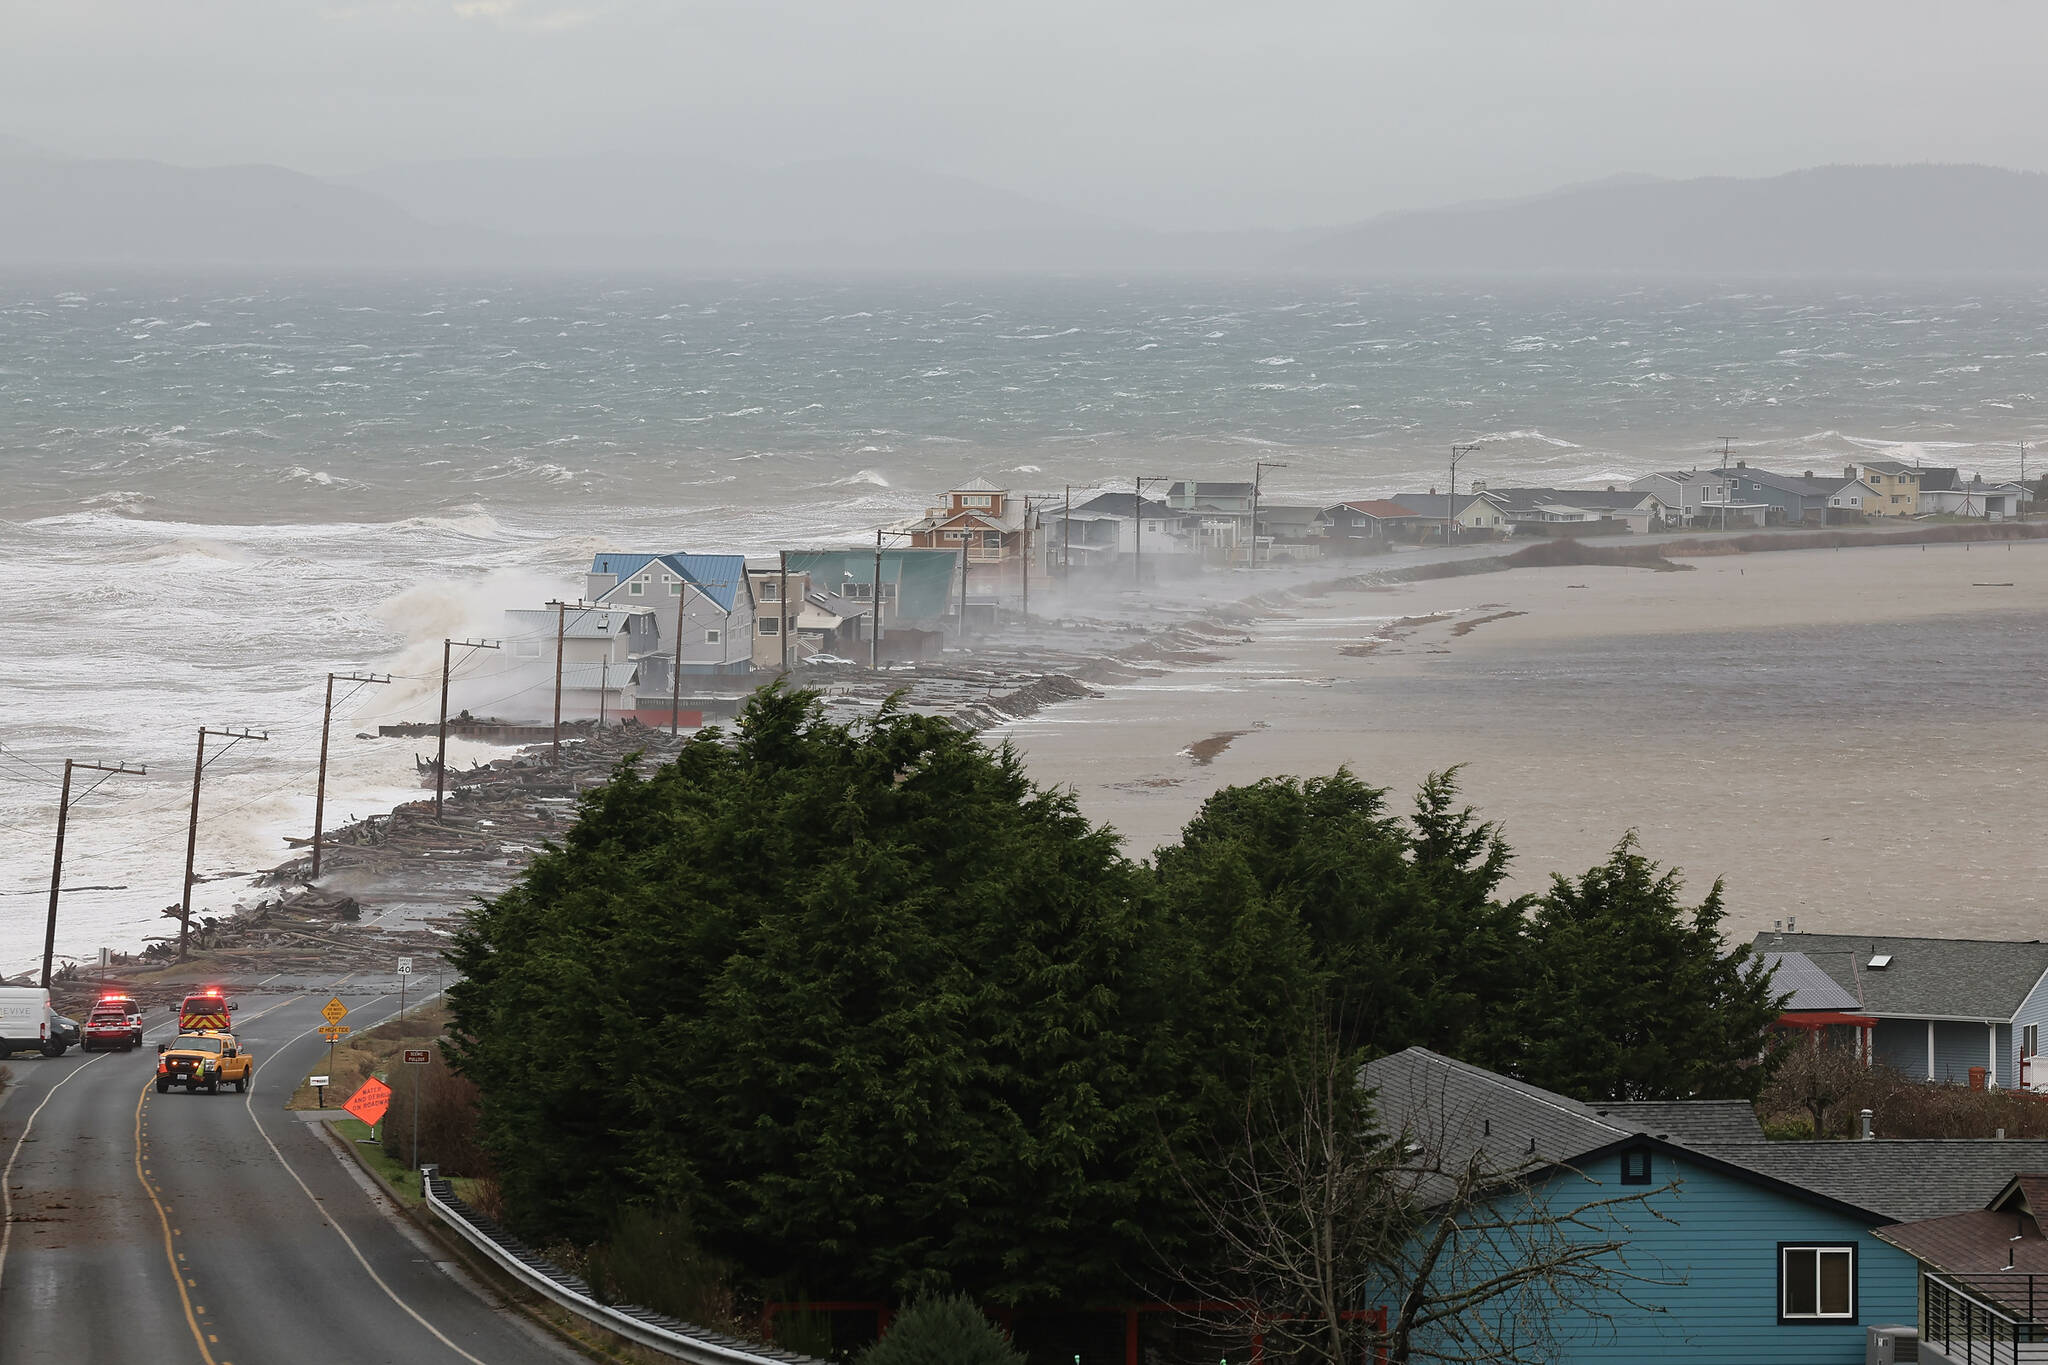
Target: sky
{"type": "Point", "coordinates": [1180, 114]}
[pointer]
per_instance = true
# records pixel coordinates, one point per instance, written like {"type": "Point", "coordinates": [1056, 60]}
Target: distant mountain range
{"type": "Point", "coordinates": [626, 212]}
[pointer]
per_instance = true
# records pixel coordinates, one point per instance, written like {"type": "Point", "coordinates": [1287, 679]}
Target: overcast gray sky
{"type": "Point", "coordinates": [1176, 113]}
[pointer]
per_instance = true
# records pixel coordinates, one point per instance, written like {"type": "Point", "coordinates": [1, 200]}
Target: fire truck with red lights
{"type": "Point", "coordinates": [206, 1012]}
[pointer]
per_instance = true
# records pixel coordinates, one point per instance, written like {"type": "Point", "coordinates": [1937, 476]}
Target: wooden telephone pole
{"type": "Point", "coordinates": [64, 801]}
{"type": "Point", "coordinates": [561, 632]}
{"type": "Point", "coordinates": [199, 762]}
{"type": "Point", "coordinates": [326, 720]}
{"type": "Point", "coordinates": [441, 753]}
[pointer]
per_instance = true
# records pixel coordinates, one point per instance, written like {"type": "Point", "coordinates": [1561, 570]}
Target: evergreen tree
{"type": "Point", "coordinates": [1630, 997]}
{"type": "Point", "coordinates": [946, 1330]}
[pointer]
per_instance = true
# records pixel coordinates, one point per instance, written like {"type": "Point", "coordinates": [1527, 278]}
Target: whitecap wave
{"type": "Point", "coordinates": [862, 476]}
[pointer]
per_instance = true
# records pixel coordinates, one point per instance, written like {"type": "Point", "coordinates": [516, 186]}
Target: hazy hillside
{"type": "Point", "coordinates": [1888, 220]}
{"type": "Point", "coordinates": [148, 213]}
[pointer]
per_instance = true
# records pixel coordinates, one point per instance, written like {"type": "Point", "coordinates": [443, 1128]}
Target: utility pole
{"type": "Point", "coordinates": [441, 753]}
{"type": "Point", "coordinates": [1259, 468]}
{"type": "Point", "coordinates": [963, 594]}
{"type": "Point", "coordinates": [326, 720]}
{"type": "Point", "coordinates": [1138, 483]}
{"type": "Point", "coordinates": [2021, 501]}
{"type": "Point", "coordinates": [1067, 537]}
{"type": "Point", "coordinates": [1027, 561]}
{"type": "Point", "coordinates": [57, 863]}
{"type": "Point", "coordinates": [561, 634]}
{"type": "Point", "coordinates": [1458, 452]}
{"type": "Point", "coordinates": [199, 762]}
{"type": "Point", "coordinates": [782, 610]}
{"type": "Point", "coordinates": [1726, 443]}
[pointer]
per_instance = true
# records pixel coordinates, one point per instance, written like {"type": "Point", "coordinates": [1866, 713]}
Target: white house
{"type": "Point", "coordinates": [603, 650]}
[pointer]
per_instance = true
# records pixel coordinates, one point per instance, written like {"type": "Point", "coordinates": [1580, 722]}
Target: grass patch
{"type": "Point", "coordinates": [403, 1185]}
{"type": "Point", "coordinates": [360, 1056]}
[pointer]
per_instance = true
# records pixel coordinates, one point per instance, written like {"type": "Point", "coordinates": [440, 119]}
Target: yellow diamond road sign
{"type": "Point", "coordinates": [335, 1011]}
{"type": "Point", "coordinates": [333, 1031]}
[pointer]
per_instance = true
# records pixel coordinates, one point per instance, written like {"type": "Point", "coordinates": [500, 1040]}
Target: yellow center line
{"type": "Point", "coordinates": [163, 1216]}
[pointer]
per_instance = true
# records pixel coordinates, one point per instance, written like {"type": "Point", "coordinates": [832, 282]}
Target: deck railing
{"type": "Point", "coordinates": [1969, 1328]}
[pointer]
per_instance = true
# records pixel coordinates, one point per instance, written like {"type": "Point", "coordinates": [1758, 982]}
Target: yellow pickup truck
{"type": "Point", "coordinates": [202, 1061]}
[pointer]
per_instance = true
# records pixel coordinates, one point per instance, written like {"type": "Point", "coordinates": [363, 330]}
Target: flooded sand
{"type": "Point", "coordinates": [1844, 736]}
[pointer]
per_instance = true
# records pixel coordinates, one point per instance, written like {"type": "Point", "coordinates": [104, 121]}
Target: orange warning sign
{"type": "Point", "coordinates": [370, 1101]}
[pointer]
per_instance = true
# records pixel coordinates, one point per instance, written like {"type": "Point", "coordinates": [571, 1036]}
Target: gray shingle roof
{"type": "Point", "coordinates": [1822, 485]}
{"type": "Point", "coordinates": [1897, 1179]}
{"type": "Point", "coordinates": [1946, 978]}
{"type": "Point", "coordinates": [1461, 1110]}
{"type": "Point", "coordinates": [1809, 987]}
{"type": "Point", "coordinates": [1687, 1121]}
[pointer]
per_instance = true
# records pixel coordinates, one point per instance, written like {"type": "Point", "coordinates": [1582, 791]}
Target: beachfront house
{"type": "Point", "coordinates": [603, 651]}
{"type": "Point", "coordinates": [997, 531]}
{"type": "Point", "coordinates": [1475, 513]}
{"type": "Point", "coordinates": [1368, 526]}
{"type": "Point", "coordinates": [1963, 1011]}
{"type": "Point", "coordinates": [1894, 486]}
{"type": "Point", "coordinates": [919, 592]}
{"type": "Point", "coordinates": [1578, 511]}
{"type": "Point", "coordinates": [1688, 494]}
{"type": "Point", "coordinates": [703, 598]}
{"type": "Point", "coordinates": [1805, 499]}
{"type": "Point", "coordinates": [1759, 1251]}
{"type": "Point", "coordinates": [1217, 516]}
{"type": "Point", "coordinates": [1946, 493]}
{"type": "Point", "coordinates": [1983, 1278]}
{"type": "Point", "coordinates": [1106, 532]}
{"type": "Point", "coordinates": [1286, 531]}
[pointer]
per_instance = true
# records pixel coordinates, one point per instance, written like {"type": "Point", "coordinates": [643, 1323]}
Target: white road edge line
{"type": "Point", "coordinates": [249, 1105]}
{"type": "Point", "coordinates": [7, 1173]}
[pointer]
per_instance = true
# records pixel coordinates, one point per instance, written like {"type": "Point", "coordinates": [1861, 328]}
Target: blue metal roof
{"type": "Point", "coordinates": [718, 577]}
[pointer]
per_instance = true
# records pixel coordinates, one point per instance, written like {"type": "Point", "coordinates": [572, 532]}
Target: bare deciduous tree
{"type": "Point", "coordinates": [1317, 1215]}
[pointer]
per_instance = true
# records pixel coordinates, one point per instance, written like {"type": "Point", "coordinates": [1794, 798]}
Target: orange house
{"type": "Point", "coordinates": [995, 528]}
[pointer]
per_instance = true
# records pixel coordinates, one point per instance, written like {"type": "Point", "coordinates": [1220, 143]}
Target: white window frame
{"type": "Point", "coordinates": [2030, 1040]}
{"type": "Point", "coordinates": [977, 499]}
{"type": "Point", "coordinates": [771, 590]}
{"type": "Point", "coordinates": [636, 588]}
{"type": "Point", "coordinates": [1820, 1251]}
{"type": "Point", "coordinates": [768, 625]}
{"type": "Point", "coordinates": [713, 635]}
{"type": "Point", "coordinates": [675, 587]}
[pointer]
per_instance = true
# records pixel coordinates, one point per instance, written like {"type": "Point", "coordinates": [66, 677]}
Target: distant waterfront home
{"type": "Point", "coordinates": [1817, 1006]}
{"type": "Point", "coordinates": [1895, 486]}
{"type": "Point", "coordinates": [1218, 516]}
{"type": "Point", "coordinates": [1635, 510]}
{"type": "Point", "coordinates": [1473, 511]}
{"type": "Point", "coordinates": [1983, 1277]}
{"type": "Point", "coordinates": [1368, 525]}
{"type": "Point", "coordinates": [1104, 533]}
{"type": "Point", "coordinates": [919, 592]}
{"type": "Point", "coordinates": [1291, 532]}
{"type": "Point", "coordinates": [1763, 1252]}
{"type": "Point", "coordinates": [1688, 493]}
{"type": "Point", "coordinates": [996, 530]}
{"type": "Point", "coordinates": [1803, 499]}
{"type": "Point", "coordinates": [1946, 1009]}
{"type": "Point", "coordinates": [703, 596]}
{"type": "Point", "coordinates": [603, 649]}
{"type": "Point", "coordinates": [1947, 493]}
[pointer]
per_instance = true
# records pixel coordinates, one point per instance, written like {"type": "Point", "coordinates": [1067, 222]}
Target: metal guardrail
{"type": "Point", "coordinates": [658, 1331]}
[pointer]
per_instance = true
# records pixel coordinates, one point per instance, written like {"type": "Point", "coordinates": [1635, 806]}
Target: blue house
{"type": "Point", "coordinates": [1741, 1249]}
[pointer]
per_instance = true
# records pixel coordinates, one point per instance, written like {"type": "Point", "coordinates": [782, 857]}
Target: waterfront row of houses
{"type": "Point", "coordinates": [653, 626]}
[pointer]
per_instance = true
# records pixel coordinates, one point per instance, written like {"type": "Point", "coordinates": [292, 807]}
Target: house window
{"type": "Point", "coordinates": [956, 535]}
{"type": "Point", "coordinates": [1817, 1283]}
{"type": "Point", "coordinates": [991, 540]}
{"type": "Point", "coordinates": [713, 636]}
{"type": "Point", "coordinates": [888, 592]}
{"type": "Point", "coordinates": [2030, 1040]}
{"type": "Point", "coordinates": [770, 590]}
{"type": "Point", "coordinates": [975, 500]}
{"type": "Point", "coordinates": [675, 587]}
{"type": "Point", "coordinates": [769, 625]}
{"type": "Point", "coordinates": [636, 587]}
{"type": "Point", "coordinates": [1635, 1166]}
{"type": "Point", "coordinates": [849, 588]}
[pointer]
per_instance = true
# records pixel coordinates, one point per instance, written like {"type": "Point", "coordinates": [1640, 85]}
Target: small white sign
{"type": "Point", "coordinates": [317, 1082]}
{"type": "Point", "coordinates": [405, 966]}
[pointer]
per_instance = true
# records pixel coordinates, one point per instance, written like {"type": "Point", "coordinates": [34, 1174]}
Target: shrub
{"type": "Point", "coordinates": [948, 1330]}
{"type": "Point", "coordinates": [652, 1260]}
{"type": "Point", "coordinates": [448, 1118]}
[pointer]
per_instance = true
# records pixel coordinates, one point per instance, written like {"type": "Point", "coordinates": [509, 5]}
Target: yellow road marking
{"type": "Point", "coordinates": [163, 1216]}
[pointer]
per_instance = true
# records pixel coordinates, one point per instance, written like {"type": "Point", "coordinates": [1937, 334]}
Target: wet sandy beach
{"type": "Point", "coordinates": [1844, 736]}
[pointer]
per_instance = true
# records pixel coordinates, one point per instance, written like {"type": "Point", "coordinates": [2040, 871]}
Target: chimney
{"type": "Point", "coordinates": [1848, 471]}
{"type": "Point", "coordinates": [1432, 490]}
{"type": "Point", "coordinates": [1742, 464]}
{"type": "Point", "coordinates": [1867, 1134]}
{"type": "Point", "coordinates": [1478, 485]}
{"type": "Point", "coordinates": [1807, 475]}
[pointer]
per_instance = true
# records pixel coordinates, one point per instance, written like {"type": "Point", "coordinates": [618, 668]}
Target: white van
{"type": "Point", "coordinates": [28, 1024]}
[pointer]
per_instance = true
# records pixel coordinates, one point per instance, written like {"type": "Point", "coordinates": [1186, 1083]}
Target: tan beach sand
{"type": "Point", "coordinates": [1845, 736]}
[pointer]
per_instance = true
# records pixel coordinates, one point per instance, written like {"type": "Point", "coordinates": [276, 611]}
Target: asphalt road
{"type": "Point", "coordinates": [219, 1229]}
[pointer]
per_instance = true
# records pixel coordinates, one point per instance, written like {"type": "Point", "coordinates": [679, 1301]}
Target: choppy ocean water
{"type": "Point", "coordinates": [213, 490]}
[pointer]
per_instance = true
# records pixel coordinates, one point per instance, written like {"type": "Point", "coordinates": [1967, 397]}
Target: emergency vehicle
{"type": "Point", "coordinates": [205, 1012]}
{"type": "Point", "coordinates": [202, 1061]}
{"type": "Point", "coordinates": [114, 1021]}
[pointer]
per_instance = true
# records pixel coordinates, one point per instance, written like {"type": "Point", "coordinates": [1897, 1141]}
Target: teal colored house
{"type": "Point", "coordinates": [1742, 1249]}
